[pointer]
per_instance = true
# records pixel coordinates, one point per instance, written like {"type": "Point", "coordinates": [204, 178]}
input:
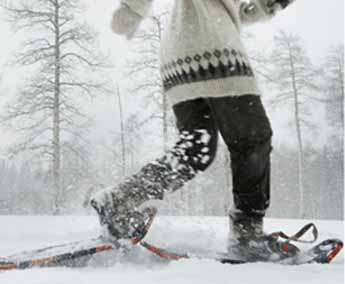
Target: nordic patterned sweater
{"type": "Point", "coordinates": [201, 51]}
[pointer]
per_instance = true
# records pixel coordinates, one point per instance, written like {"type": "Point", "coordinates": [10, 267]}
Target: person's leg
{"type": "Point", "coordinates": [194, 152]}
{"type": "Point", "coordinates": [246, 130]}
{"type": "Point", "coordinates": [198, 136]}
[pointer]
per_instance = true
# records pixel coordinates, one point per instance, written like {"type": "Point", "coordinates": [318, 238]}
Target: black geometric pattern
{"type": "Point", "coordinates": [207, 66]}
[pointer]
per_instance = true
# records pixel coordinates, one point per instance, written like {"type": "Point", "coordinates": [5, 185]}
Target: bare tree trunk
{"type": "Point", "coordinates": [340, 74]}
{"type": "Point", "coordinates": [300, 157]}
{"type": "Point", "coordinates": [56, 117]}
{"type": "Point", "coordinates": [157, 21]}
{"type": "Point", "coordinates": [227, 172]}
{"type": "Point", "coordinates": [123, 146]}
{"type": "Point", "coordinates": [165, 123]}
{"type": "Point", "coordinates": [299, 136]}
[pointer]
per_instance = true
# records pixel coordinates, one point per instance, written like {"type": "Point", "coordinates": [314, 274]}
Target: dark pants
{"type": "Point", "coordinates": [245, 128]}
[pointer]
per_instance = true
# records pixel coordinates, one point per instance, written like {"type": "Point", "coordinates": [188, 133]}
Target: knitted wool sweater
{"type": "Point", "coordinates": [201, 51]}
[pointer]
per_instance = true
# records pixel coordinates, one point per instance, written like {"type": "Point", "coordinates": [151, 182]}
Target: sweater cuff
{"type": "Point", "coordinates": [141, 7]}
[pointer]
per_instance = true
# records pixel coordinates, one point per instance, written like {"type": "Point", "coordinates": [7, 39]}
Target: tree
{"type": "Point", "coordinates": [146, 69]}
{"type": "Point", "coordinates": [60, 51]}
{"type": "Point", "coordinates": [333, 75]}
{"type": "Point", "coordinates": [122, 134]}
{"type": "Point", "coordinates": [294, 76]}
{"type": "Point", "coordinates": [333, 71]}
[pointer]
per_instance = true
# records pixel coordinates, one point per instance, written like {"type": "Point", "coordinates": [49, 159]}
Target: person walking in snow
{"type": "Point", "coordinates": [211, 85]}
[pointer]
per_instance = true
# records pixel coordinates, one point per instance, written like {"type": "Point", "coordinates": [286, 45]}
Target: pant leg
{"type": "Point", "coordinates": [194, 151]}
{"type": "Point", "coordinates": [198, 135]}
{"type": "Point", "coordinates": [246, 130]}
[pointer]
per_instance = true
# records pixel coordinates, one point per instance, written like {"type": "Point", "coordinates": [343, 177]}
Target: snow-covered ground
{"type": "Point", "coordinates": [204, 234]}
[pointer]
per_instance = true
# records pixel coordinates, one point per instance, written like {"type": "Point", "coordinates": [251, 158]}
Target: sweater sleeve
{"type": "Point", "coordinates": [141, 7]}
{"type": "Point", "coordinates": [127, 18]}
{"type": "Point", "coordinates": [256, 11]}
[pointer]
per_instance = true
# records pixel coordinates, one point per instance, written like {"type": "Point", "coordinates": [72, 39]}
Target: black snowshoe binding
{"type": "Point", "coordinates": [248, 242]}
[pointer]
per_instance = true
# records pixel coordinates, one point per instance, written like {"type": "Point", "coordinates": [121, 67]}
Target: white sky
{"type": "Point", "coordinates": [319, 22]}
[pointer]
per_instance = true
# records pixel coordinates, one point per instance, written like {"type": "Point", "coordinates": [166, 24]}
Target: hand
{"type": "Point", "coordinates": [274, 8]}
{"type": "Point", "coordinates": [125, 21]}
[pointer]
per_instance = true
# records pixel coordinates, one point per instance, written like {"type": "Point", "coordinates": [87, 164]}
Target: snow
{"type": "Point", "coordinates": [194, 234]}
